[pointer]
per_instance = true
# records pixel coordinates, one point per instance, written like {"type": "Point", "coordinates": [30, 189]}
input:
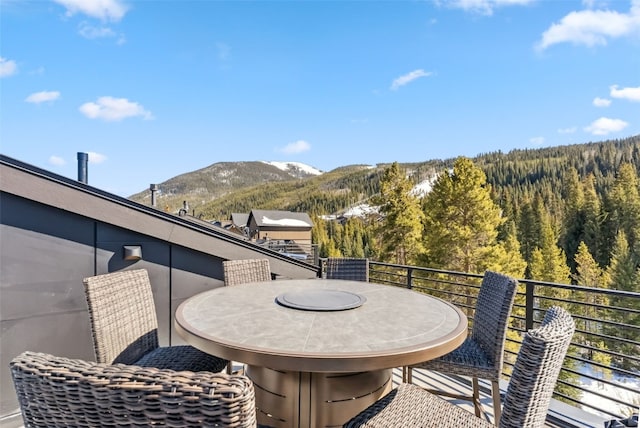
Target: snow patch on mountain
{"type": "Point", "coordinates": [288, 166]}
{"type": "Point", "coordinates": [424, 187]}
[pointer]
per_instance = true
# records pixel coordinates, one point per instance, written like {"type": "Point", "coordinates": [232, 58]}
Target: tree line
{"type": "Point", "coordinates": [572, 217]}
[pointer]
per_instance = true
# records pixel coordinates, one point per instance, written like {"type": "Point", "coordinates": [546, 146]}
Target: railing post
{"type": "Point", "coordinates": [528, 316]}
{"type": "Point", "coordinates": [409, 278]}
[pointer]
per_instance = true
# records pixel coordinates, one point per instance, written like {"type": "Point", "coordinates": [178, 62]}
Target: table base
{"type": "Point", "coordinates": [301, 399]}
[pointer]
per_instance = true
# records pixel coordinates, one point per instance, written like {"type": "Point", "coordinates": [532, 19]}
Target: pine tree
{"type": "Point", "coordinates": [461, 220]}
{"type": "Point", "coordinates": [589, 274]}
{"type": "Point", "coordinates": [624, 208]}
{"type": "Point", "coordinates": [624, 276]}
{"type": "Point", "coordinates": [592, 219]}
{"type": "Point", "coordinates": [548, 262]}
{"type": "Point", "coordinates": [401, 228]}
{"type": "Point", "coordinates": [573, 222]}
{"type": "Point", "coordinates": [506, 257]}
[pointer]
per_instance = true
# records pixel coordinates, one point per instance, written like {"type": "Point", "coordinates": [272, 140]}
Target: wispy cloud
{"type": "Point", "coordinates": [483, 7]}
{"type": "Point", "coordinates": [571, 130]}
{"type": "Point", "coordinates": [408, 78]}
{"type": "Point", "coordinates": [299, 146]}
{"type": "Point", "coordinates": [114, 109]}
{"type": "Point", "coordinates": [601, 102]}
{"type": "Point", "coordinates": [43, 96]}
{"type": "Point", "coordinates": [631, 94]}
{"type": "Point", "coordinates": [89, 31]}
{"type": "Point", "coordinates": [96, 157]}
{"type": "Point", "coordinates": [605, 125]}
{"type": "Point", "coordinates": [37, 72]}
{"type": "Point", "coordinates": [7, 67]}
{"type": "Point", "coordinates": [57, 160]}
{"type": "Point", "coordinates": [592, 27]}
{"type": "Point", "coordinates": [105, 10]}
{"type": "Point", "coordinates": [538, 141]}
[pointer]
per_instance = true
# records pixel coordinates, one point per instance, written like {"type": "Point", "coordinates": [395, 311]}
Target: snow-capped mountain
{"type": "Point", "coordinates": [297, 169]}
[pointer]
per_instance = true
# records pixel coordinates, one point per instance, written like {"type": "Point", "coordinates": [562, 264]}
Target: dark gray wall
{"type": "Point", "coordinates": [47, 252]}
{"type": "Point", "coordinates": [54, 233]}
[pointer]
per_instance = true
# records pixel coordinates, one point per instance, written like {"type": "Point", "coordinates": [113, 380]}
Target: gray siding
{"type": "Point", "coordinates": [55, 232]}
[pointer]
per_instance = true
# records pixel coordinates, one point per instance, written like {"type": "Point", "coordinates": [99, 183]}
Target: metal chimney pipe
{"type": "Point", "coordinates": [154, 190]}
{"type": "Point", "coordinates": [83, 167]}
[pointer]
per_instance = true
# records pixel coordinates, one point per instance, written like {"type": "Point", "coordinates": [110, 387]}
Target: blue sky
{"type": "Point", "coordinates": [154, 89]}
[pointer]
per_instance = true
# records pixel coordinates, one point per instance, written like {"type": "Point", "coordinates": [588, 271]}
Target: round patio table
{"type": "Point", "coordinates": [319, 351]}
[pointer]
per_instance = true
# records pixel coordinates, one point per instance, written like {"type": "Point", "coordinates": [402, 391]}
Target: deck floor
{"type": "Point", "coordinates": [560, 414]}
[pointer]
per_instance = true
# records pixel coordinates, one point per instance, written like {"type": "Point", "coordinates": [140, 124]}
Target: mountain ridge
{"type": "Point", "coordinates": [214, 192]}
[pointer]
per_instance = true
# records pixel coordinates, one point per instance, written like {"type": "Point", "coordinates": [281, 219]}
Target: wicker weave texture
{"type": "Point", "coordinates": [60, 392]}
{"type": "Point", "coordinates": [526, 402]}
{"type": "Point", "coordinates": [124, 326]}
{"type": "Point", "coordinates": [243, 271]}
{"type": "Point", "coordinates": [355, 269]}
{"type": "Point", "coordinates": [410, 406]}
{"type": "Point", "coordinates": [536, 371]}
{"type": "Point", "coordinates": [481, 355]}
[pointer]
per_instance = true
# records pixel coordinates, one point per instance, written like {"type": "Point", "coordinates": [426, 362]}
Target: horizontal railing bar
{"type": "Point", "coordinates": [446, 284]}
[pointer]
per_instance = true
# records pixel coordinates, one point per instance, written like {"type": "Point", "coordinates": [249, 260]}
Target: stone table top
{"type": "Point", "coordinates": [391, 328]}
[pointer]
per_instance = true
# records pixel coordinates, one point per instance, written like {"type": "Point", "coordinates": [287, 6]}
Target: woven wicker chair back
{"type": "Point", "coordinates": [536, 371]}
{"type": "Point", "coordinates": [57, 392]}
{"type": "Point", "coordinates": [355, 269]}
{"type": "Point", "coordinates": [526, 402]}
{"type": "Point", "coordinates": [124, 326]}
{"type": "Point", "coordinates": [491, 315]}
{"type": "Point", "coordinates": [243, 271]}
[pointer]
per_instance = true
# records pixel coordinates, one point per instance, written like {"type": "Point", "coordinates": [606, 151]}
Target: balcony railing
{"type": "Point", "coordinates": [601, 373]}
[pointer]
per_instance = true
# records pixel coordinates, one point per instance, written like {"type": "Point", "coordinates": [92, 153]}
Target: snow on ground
{"type": "Point", "coordinates": [423, 187]}
{"type": "Point", "coordinates": [631, 396]}
{"type": "Point", "coordinates": [360, 210]}
{"type": "Point", "coordinates": [301, 166]}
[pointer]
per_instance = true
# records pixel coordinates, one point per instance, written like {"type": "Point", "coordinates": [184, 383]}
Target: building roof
{"type": "Point", "coordinates": [288, 219]}
{"type": "Point", "coordinates": [240, 219]}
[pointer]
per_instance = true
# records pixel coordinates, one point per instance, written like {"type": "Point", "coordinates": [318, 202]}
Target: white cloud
{"type": "Point", "coordinates": [571, 130]}
{"type": "Point", "coordinates": [604, 126]}
{"type": "Point", "coordinates": [7, 67]}
{"type": "Point", "coordinates": [592, 27]}
{"type": "Point", "coordinates": [296, 147]}
{"type": "Point", "coordinates": [57, 160]}
{"type": "Point", "coordinates": [114, 109]}
{"type": "Point", "coordinates": [631, 94]}
{"type": "Point", "coordinates": [601, 102]}
{"type": "Point", "coordinates": [37, 72]}
{"type": "Point", "coordinates": [484, 7]}
{"type": "Point", "coordinates": [96, 157]}
{"type": "Point", "coordinates": [538, 141]}
{"type": "Point", "coordinates": [88, 31]}
{"type": "Point", "coordinates": [105, 10]}
{"type": "Point", "coordinates": [408, 78]}
{"type": "Point", "coordinates": [43, 96]}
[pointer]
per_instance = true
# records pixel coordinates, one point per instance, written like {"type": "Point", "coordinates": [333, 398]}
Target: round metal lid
{"type": "Point", "coordinates": [321, 300]}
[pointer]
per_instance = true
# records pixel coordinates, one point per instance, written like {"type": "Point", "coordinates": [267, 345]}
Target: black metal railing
{"type": "Point", "coordinates": [601, 373]}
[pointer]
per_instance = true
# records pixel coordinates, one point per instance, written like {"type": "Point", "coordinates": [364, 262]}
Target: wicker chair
{"type": "Point", "coordinates": [526, 402]}
{"type": "Point", "coordinates": [243, 271]}
{"type": "Point", "coordinates": [238, 272]}
{"type": "Point", "coordinates": [356, 269]}
{"type": "Point", "coordinates": [124, 326]}
{"type": "Point", "coordinates": [481, 354]}
{"type": "Point", "coordinates": [61, 392]}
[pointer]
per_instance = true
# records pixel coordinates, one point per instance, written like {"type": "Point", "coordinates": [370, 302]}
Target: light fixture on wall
{"type": "Point", "coordinates": [132, 252]}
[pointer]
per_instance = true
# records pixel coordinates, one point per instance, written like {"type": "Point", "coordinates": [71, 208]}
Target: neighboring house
{"type": "Point", "coordinates": [280, 225]}
{"type": "Point", "coordinates": [239, 223]}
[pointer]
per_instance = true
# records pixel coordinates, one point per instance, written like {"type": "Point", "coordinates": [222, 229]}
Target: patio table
{"type": "Point", "coordinates": [319, 351]}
